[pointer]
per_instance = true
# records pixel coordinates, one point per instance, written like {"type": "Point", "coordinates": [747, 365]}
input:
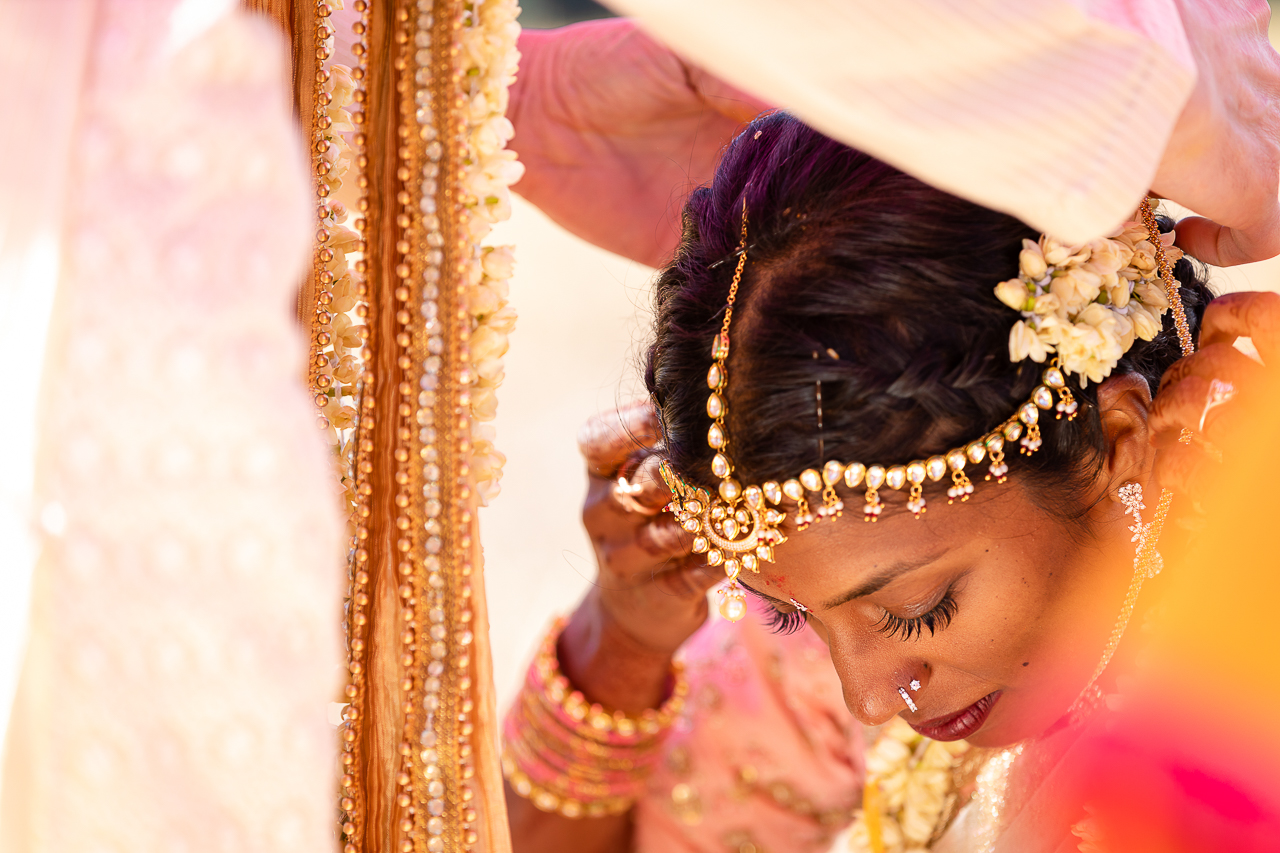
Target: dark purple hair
{"type": "Point", "coordinates": [878, 286]}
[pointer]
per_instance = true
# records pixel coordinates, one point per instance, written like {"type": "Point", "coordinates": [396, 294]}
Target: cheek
{"type": "Point", "coordinates": [1005, 620]}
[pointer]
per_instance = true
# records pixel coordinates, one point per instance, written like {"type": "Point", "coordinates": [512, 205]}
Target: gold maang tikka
{"type": "Point", "coordinates": [738, 526]}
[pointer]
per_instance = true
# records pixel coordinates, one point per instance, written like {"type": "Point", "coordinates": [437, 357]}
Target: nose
{"type": "Point", "coordinates": [874, 707]}
{"type": "Point", "coordinates": [870, 675]}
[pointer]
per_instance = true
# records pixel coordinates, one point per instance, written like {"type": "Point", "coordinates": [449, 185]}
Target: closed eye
{"type": "Point", "coordinates": [933, 621]}
{"type": "Point", "coordinates": [785, 621]}
{"type": "Point", "coordinates": [782, 618]}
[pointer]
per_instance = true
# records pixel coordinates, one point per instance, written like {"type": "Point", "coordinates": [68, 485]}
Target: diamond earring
{"type": "Point", "coordinates": [1130, 495]}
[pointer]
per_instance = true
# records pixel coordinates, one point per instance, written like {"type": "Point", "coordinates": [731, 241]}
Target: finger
{"type": "Point", "coordinates": [1215, 361]}
{"type": "Point", "coordinates": [663, 537]}
{"type": "Point", "coordinates": [1226, 247]}
{"type": "Point", "coordinates": [604, 517]}
{"type": "Point", "coordinates": [1177, 408]}
{"type": "Point", "coordinates": [648, 489]}
{"type": "Point", "coordinates": [1183, 406]}
{"type": "Point", "coordinates": [1184, 469]}
{"type": "Point", "coordinates": [606, 439]}
{"type": "Point", "coordinates": [638, 487]}
{"type": "Point", "coordinates": [1244, 315]}
{"type": "Point", "coordinates": [688, 577]}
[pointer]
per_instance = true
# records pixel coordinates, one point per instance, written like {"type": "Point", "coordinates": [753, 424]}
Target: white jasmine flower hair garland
{"type": "Point", "coordinates": [1087, 303]}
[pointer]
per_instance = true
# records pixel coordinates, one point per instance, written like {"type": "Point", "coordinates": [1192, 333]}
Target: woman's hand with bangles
{"type": "Point", "coordinates": [650, 591]}
{"type": "Point", "coordinates": [1198, 393]}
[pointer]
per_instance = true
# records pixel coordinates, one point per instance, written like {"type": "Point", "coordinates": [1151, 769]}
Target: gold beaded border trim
{"type": "Point", "coordinates": [318, 341]}
{"type": "Point", "coordinates": [418, 776]}
{"type": "Point", "coordinates": [352, 799]}
{"type": "Point", "coordinates": [333, 292]}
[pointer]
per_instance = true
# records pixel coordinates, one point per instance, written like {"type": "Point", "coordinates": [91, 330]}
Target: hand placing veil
{"type": "Point", "coordinates": [604, 112]}
{"type": "Point", "coordinates": [1198, 393]}
{"type": "Point", "coordinates": [607, 114]}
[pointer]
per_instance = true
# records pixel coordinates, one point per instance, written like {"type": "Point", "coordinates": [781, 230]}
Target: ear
{"type": "Point", "coordinates": [1123, 403]}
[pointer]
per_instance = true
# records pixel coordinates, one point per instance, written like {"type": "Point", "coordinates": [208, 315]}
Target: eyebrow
{"type": "Point", "coordinates": [881, 580]}
{"type": "Point", "coordinates": [872, 586]}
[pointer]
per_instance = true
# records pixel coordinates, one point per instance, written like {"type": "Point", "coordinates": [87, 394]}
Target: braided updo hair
{"type": "Point", "coordinates": [881, 288]}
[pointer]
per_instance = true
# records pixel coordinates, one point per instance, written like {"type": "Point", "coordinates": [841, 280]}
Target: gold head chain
{"type": "Point", "coordinates": [738, 526]}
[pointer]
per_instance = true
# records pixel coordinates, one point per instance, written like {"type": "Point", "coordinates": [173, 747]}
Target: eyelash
{"type": "Point", "coordinates": [934, 621]}
{"type": "Point", "coordinates": [786, 621]}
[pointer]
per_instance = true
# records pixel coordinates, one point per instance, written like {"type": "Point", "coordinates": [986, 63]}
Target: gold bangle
{"type": "Point", "coordinates": [558, 803]}
{"type": "Point", "coordinates": [573, 757]}
{"type": "Point", "coordinates": [597, 722]}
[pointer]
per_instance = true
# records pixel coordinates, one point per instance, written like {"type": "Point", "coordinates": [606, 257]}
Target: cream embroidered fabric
{"type": "Point", "coordinates": [184, 638]}
{"type": "Point", "coordinates": [1055, 111]}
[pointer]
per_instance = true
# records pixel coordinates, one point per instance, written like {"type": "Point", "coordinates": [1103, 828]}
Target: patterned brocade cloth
{"type": "Point", "coordinates": [766, 758]}
{"type": "Point", "coordinates": [184, 634]}
{"type": "Point", "coordinates": [1110, 79]}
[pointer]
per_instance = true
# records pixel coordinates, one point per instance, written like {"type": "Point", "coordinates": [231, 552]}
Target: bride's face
{"type": "Point", "coordinates": [998, 608]}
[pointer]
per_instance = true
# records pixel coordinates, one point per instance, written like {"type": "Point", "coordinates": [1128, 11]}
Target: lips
{"type": "Point", "coordinates": [961, 724]}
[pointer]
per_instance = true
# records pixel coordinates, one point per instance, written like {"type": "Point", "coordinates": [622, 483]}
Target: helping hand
{"type": "Point", "coordinates": [614, 130]}
{"type": "Point", "coordinates": [1223, 159]}
{"type": "Point", "coordinates": [650, 583]}
{"type": "Point", "coordinates": [1185, 402]}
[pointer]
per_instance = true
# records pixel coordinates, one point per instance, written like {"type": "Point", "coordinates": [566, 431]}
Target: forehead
{"type": "Point", "coordinates": [833, 557]}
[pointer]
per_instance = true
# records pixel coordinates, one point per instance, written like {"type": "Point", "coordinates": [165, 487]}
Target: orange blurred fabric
{"type": "Point", "coordinates": [1194, 761]}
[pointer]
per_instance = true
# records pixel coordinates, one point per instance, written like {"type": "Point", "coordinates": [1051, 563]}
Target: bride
{"type": "Point", "coordinates": [915, 434]}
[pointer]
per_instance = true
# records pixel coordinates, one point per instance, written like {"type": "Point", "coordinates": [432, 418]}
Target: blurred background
{"type": "Point", "coordinates": [584, 322]}
{"type": "Point", "coordinates": [541, 14]}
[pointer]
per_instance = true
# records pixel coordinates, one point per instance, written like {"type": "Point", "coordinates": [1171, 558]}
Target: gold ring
{"type": "Point", "coordinates": [625, 492]}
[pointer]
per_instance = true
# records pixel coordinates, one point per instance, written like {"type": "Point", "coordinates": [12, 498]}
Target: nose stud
{"type": "Point", "coordinates": [906, 697]}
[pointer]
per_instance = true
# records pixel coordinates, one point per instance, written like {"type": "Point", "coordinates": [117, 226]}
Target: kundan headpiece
{"type": "Point", "coordinates": [1083, 305]}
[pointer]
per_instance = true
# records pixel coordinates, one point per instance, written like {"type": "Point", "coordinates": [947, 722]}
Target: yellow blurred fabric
{"type": "Point", "coordinates": [1218, 635]}
{"type": "Point", "coordinates": [1192, 762]}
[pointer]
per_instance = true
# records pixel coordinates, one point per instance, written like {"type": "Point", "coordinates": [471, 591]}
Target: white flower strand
{"type": "Point", "coordinates": [1087, 303]}
{"type": "Point", "coordinates": [488, 60]}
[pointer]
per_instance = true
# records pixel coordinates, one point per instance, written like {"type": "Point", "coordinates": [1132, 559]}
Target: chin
{"type": "Point", "coordinates": [995, 735]}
